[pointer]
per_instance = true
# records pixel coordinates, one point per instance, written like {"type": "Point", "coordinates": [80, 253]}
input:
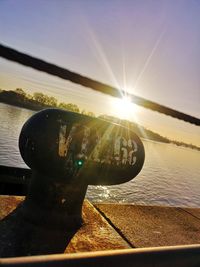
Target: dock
{"type": "Point", "coordinates": [125, 226]}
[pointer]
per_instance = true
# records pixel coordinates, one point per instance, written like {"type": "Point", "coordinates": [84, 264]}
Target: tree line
{"type": "Point", "coordinates": [37, 101]}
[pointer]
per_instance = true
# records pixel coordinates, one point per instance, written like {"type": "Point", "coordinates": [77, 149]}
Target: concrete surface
{"type": "Point", "coordinates": [95, 234]}
{"type": "Point", "coordinates": [151, 226]}
{"type": "Point", "coordinates": [193, 211]}
{"type": "Point", "coordinates": [122, 226]}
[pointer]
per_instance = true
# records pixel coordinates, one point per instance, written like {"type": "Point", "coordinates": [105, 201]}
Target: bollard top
{"type": "Point", "coordinates": [71, 147]}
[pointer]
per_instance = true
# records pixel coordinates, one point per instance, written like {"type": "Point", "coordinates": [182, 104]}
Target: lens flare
{"type": "Point", "coordinates": [123, 108]}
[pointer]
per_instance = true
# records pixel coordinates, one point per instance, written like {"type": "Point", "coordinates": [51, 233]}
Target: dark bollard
{"type": "Point", "coordinates": [66, 152]}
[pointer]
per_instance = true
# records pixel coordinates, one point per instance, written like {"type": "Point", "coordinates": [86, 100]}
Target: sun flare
{"type": "Point", "coordinates": [124, 108]}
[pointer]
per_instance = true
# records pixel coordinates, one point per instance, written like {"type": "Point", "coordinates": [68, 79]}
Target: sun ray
{"type": "Point", "coordinates": [95, 43]}
{"type": "Point", "coordinates": [149, 57]}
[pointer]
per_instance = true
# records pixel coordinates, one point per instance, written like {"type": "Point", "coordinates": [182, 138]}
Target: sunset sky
{"type": "Point", "coordinates": [149, 48]}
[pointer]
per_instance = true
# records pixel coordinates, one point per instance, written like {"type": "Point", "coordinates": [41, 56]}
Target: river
{"type": "Point", "coordinates": [170, 176]}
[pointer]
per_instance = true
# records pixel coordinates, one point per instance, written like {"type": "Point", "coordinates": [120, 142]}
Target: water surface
{"type": "Point", "coordinates": [170, 176]}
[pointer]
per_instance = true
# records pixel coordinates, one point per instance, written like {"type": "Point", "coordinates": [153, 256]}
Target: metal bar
{"type": "Point", "coordinates": [41, 65]}
{"type": "Point", "coordinates": [13, 180]}
{"type": "Point", "coordinates": [14, 174]}
{"type": "Point", "coordinates": [179, 256]}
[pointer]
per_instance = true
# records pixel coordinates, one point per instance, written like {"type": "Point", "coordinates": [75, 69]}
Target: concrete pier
{"type": "Point", "coordinates": [152, 226]}
{"type": "Point", "coordinates": [122, 226]}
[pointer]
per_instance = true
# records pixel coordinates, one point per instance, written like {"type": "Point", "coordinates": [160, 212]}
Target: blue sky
{"type": "Point", "coordinates": [151, 48]}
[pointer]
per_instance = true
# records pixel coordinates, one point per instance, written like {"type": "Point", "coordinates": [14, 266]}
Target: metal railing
{"type": "Point", "coordinates": [176, 256]}
{"type": "Point", "coordinates": [41, 65]}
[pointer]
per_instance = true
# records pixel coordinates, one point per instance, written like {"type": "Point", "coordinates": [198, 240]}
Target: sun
{"type": "Point", "coordinates": [124, 108]}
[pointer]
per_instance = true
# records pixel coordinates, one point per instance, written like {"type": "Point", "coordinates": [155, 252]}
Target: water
{"type": "Point", "coordinates": [170, 176]}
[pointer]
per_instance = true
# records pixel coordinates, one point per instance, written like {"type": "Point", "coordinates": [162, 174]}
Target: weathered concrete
{"type": "Point", "coordinates": [193, 211]}
{"type": "Point", "coordinates": [146, 226]}
{"type": "Point", "coordinates": [124, 226]}
{"type": "Point", "coordinates": [8, 204]}
{"type": "Point", "coordinates": [95, 234]}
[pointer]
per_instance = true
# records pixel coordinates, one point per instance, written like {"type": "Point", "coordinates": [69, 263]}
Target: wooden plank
{"type": "Point", "coordinates": [151, 226]}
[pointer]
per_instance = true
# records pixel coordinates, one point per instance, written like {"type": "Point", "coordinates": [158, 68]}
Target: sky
{"type": "Point", "coordinates": [149, 48]}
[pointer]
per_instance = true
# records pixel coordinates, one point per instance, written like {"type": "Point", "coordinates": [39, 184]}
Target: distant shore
{"type": "Point", "coordinates": [39, 101]}
{"type": "Point", "coordinates": [13, 99]}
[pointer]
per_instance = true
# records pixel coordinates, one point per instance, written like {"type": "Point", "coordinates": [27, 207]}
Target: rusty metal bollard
{"type": "Point", "coordinates": [67, 152]}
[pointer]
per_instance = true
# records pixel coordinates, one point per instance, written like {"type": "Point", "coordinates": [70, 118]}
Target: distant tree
{"type": "Point", "coordinates": [29, 96]}
{"type": "Point", "coordinates": [39, 97]}
{"type": "Point", "coordinates": [90, 113]}
{"type": "Point", "coordinates": [72, 107]}
{"type": "Point", "coordinates": [62, 105]}
{"type": "Point", "coordinates": [69, 106]}
{"type": "Point", "coordinates": [52, 101]}
{"type": "Point", "coordinates": [83, 112]}
{"type": "Point", "coordinates": [20, 91]}
{"type": "Point", "coordinates": [45, 99]}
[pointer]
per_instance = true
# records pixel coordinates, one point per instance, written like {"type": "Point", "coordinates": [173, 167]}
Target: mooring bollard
{"type": "Point", "coordinates": [67, 152]}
